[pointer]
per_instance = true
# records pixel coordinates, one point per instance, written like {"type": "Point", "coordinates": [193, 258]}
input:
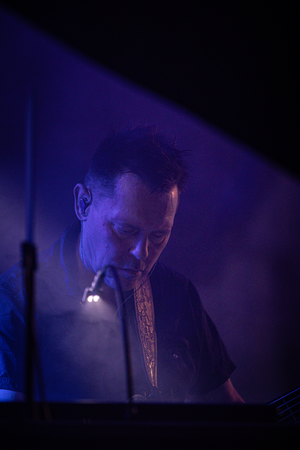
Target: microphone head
{"type": "Point", "coordinates": [91, 294]}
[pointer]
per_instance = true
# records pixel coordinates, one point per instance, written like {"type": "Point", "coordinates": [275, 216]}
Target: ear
{"type": "Point", "coordinates": [82, 201]}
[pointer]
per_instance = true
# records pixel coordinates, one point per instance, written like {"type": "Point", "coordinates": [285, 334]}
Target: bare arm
{"type": "Point", "coordinates": [226, 393]}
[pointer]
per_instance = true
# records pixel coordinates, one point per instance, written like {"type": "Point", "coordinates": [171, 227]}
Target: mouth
{"type": "Point", "coordinates": [131, 273]}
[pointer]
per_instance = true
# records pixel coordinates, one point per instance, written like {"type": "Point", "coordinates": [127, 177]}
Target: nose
{"type": "Point", "coordinates": [140, 248]}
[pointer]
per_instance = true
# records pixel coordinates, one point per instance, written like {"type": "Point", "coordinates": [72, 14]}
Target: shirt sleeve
{"type": "Point", "coordinates": [12, 339]}
{"type": "Point", "coordinates": [215, 365]}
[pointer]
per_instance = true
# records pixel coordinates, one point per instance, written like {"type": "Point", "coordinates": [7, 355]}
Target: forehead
{"type": "Point", "coordinates": [132, 201]}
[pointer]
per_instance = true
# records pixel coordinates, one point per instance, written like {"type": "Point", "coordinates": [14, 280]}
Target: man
{"type": "Point", "coordinates": [125, 209]}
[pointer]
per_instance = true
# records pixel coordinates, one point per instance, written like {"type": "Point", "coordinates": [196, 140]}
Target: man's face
{"type": "Point", "coordinates": [128, 230]}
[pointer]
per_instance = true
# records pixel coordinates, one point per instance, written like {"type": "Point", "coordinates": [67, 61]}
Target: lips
{"type": "Point", "coordinates": [131, 273]}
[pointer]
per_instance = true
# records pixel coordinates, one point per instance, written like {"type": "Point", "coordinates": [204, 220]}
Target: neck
{"type": "Point", "coordinates": [85, 276]}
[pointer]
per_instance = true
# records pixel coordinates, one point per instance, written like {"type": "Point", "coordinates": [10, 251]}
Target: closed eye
{"type": "Point", "coordinates": [158, 238]}
{"type": "Point", "coordinates": [124, 231]}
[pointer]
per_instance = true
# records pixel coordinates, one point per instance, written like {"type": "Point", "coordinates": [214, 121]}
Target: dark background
{"type": "Point", "coordinates": [232, 63]}
{"type": "Point", "coordinates": [222, 80]}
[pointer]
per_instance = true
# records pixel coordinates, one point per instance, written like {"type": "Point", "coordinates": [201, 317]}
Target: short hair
{"type": "Point", "coordinates": [142, 151]}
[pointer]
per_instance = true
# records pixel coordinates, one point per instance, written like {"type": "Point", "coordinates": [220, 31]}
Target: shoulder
{"type": "Point", "coordinates": [11, 290]}
{"type": "Point", "coordinates": [171, 288]}
{"type": "Point", "coordinates": [56, 272]}
{"type": "Point", "coordinates": [50, 265]}
{"type": "Point", "coordinates": [168, 279]}
{"type": "Point", "coordinates": [166, 274]}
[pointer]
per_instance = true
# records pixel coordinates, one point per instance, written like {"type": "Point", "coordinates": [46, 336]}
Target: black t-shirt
{"type": "Point", "coordinates": [82, 355]}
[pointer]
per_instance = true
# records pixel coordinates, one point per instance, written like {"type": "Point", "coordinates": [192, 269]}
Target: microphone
{"type": "Point", "coordinates": [91, 294]}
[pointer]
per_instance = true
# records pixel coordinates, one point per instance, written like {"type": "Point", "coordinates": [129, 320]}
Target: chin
{"type": "Point", "coordinates": [126, 285]}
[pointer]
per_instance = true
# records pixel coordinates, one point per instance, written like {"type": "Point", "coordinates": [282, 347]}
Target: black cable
{"type": "Point", "coordinates": [93, 290]}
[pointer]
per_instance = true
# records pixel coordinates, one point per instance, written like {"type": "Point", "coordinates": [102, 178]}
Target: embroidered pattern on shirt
{"type": "Point", "coordinates": [144, 310]}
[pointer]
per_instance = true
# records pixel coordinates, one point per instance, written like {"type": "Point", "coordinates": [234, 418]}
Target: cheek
{"type": "Point", "coordinates": [164, 243]}
{"type": "Point", "coordinates": [155, 252]}
{"type": "Point", "coordinates": [112, 247]}
{"type": "Point", "coordinates": [100, 235]}
{"type": "Point", "coordinates": [98, 242]}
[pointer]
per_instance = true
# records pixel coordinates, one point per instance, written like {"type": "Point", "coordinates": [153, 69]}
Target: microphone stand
{"type": "Point", "coordinates": [29, 256]}
{"type": "Point", "coordinates": [93, 290]}
{"type": "Point", "coordinates": [29, 267]}
{"type": "Point", "coordinates": [125, 339]}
